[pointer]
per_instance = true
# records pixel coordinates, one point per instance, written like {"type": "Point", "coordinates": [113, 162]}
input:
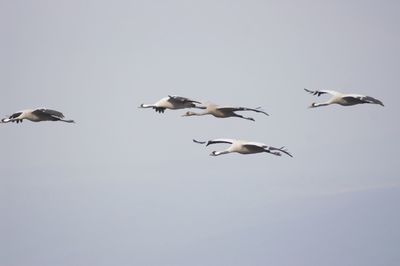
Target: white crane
{"type": "Point", "coordinates": [343, 99]}
{"type": "Point", "coordinates": [225, 111]}
{"type": "Point", "coordinates": [36, 115]}
{"type": "Point", "coordinates": [244, 147]}
{"type": "Point", "coordinates": [173, 103]}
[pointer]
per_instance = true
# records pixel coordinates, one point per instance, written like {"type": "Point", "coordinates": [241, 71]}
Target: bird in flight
{"type": "Point", "coordinates": [36, 115]}
{"type": "Point", "coordinates": [342, 99]}
{"type": "Point", "coordinates": [225, 111]}
{"type": "Point", "coordinates": [244, 147]}
{"type": "Point", "coordinates": [172, 103]}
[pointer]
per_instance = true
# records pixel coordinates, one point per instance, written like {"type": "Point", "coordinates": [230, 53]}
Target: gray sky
{"type": "Point", "coordinates": [126, 186]}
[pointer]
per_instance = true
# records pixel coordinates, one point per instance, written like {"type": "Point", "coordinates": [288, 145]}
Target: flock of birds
{"type": "Point", "coordinates": [177, 102]}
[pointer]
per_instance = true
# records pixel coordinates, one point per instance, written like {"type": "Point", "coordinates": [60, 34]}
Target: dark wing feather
{"type": "Point", "coordinates": [50, 112]}
{"type": "Point", "coordinates": [15, 115]}
{"type": "Point", "coordinates": [318, 93]}
{"type": "Point", "coordinates": [369, 99]}
{"type": "Point", "coordinates": [253, 147]}
{"type": "Point", "coordinates": [361, 99]}
{"type": "Point", "coordinates": [215, 141]}
{"type": "Point", "coordinates": [373, 100]}
{"type": "Point", "coordinates": [182, 99]}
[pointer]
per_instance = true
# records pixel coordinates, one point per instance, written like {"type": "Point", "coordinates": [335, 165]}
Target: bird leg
{"type": "Point", "coordinates": [247, 118]}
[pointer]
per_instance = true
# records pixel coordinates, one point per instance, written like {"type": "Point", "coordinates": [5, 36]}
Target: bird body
{"type": "Point", "coordinates": [244, 147]}
{"type": "Point", "coordinates": [343, 99]}
{"type": "Point", "coordinates": [36, 115]}
{"type": "Point", "coordinates": [224, 111]}
{"type": "Point", "coordinates": [172, 103]}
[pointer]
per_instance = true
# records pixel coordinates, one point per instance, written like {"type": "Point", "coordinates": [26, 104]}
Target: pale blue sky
{"type": "Point", "coordinates": [126, 186]}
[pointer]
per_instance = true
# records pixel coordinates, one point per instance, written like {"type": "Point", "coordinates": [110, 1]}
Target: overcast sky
{"type": "Point", "coordinates": [126, 186]}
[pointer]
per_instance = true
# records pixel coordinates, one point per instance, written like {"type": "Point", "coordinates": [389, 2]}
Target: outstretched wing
{"type": "Point", "coordinates": [320, 92]}
{"type": "Point", "coordinates": [362, 99]}
{"type": "Point", "coordinates": [182, 100]}
{"type": "Point", "coordinates": [233, 109]}
{"type": "Point", "coordinates": [15, 115]}
{"type": "Point", "coordinates": [53, 113]}
{"type": "Point", "coordinates": [215, 141]}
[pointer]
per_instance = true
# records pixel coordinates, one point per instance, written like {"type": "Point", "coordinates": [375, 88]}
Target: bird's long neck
{"type": "Point", "coordinates": [217, 153]}
{"type": "Point", "coordinates": [143, 105]}
{"type": "Point", "coordinates": [321, 104]}
{"type": "Point", "coordinates": [200, 114]}
{"type": "Point", "coordinates": [6, 120]}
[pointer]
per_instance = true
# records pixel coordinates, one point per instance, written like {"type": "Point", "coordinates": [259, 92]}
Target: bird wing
{"type": "Point", "coordinates": [182, 100]}
{"type": "Point", "coordinates": [15, 115]}
{"type": "Point", "coordinates": [50, 112]}
{"type": "Point", "coordinates": [362, 98]}
{"type": "Point", "coordinates": [320, 92]}
{"type": "Point", "coordinates": [233, 109]}
{"type": "Point", "coordinates": [215, 141]}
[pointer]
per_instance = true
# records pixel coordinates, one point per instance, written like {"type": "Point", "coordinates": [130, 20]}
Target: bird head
{"type": "Point", "coordinates": [313, 105]}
